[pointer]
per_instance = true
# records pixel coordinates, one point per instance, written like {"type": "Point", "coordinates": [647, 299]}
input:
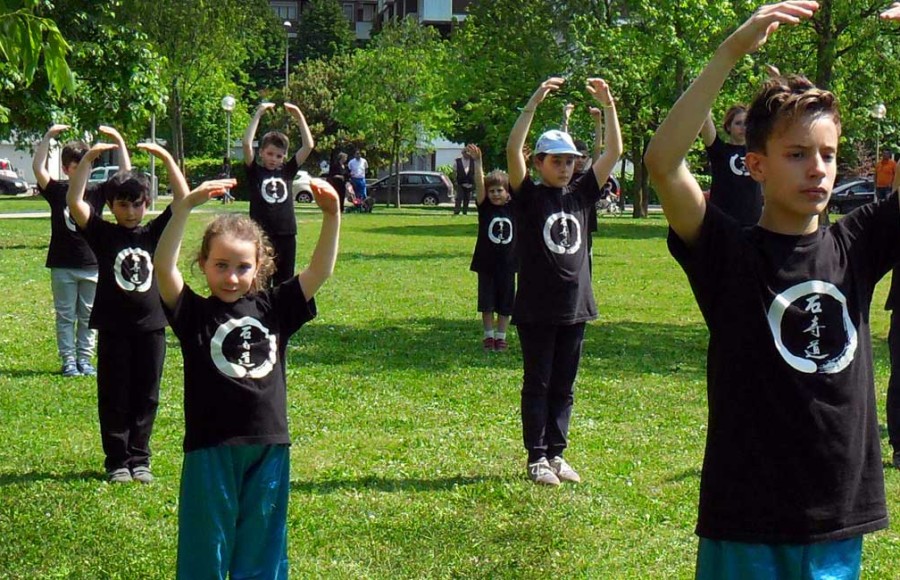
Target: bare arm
{"type": "Point", "coordinates": [308, 142]}
{"type": "Point", "coordinates": [321, 264]}
{"type": "Point", "coordinates": [124, 157]}
{"type": "Point", "coordinates": [597, 116]}
{"type": "Point", "coordinates": [79, 209]}
{"type": "Point", "coordinates": [708, 131]}
{"type": "Point", "coordinates": [515, 160]}
{"type": "Point", "coordinates": [480, 192]}
{"type": "Point", "coordinates": [39, 163]}
{"type": "Point", "coordinates": [681, 197]}
{"type": "Point", "coordinates": [567, 114]}
{"type": "Point", "coordinates": [177, 181]}
{"type": "Point", "coordinates": [250, 133]}
{"type": "Point", "coordinates": [607, 160]}
{"type": "Point", "coordinates": [165, 258]}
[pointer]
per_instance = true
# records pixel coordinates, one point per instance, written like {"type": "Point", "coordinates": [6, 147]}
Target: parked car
{"type": "Point", "coordinates": [425, 187]}
{"type": "Point", "coordinates": [12, 185]}
{"type": "Point", "coordinates": [103, 173]}
{"type": "Point", "coordinates": [852, 194]}
{"type": "Point", "coordinates": [301, 188]}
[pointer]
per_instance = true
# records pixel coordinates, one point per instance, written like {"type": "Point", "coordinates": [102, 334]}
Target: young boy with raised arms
{"type": "Point", "coordinates": [792, 476]}
{"type": "Point", "coordinates": [554, 299]}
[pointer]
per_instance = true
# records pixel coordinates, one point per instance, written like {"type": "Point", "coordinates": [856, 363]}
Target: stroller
{"type": "Point", "coordinates": [358, 205]}
{"type": "Point", "coordinates": [609, 197]}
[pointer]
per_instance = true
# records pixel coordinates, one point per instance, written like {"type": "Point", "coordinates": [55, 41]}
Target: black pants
{"type": "Point", "coordinates": [550, 355]}
{"type": "Point", "coordinates": [129, 368]}
{"type": "Point", "coordinates": [893, 393]}
{"type": "Point", "coordinates": [463, 195]}
{"type": "Point", "coordinates": [285, 257]}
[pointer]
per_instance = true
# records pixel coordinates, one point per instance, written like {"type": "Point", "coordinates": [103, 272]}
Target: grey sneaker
{"type": "Point", "coordinates": [540, 472]}
{"type": "Point", "coordinates": [142, 474]}
{"type": "Point", "coordinates": [563, 470]}
{"type": "Point", "coordinates": [86, 368]}
{"type": "Point", "coordinates": [70, 369]}
{"type": "Point", "coordinates": [120, 475]}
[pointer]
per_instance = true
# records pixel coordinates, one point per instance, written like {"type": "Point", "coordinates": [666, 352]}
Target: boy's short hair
{"type": "Point", "coordinates": [127, 185]}
{"type": "Point", "coordinates": [72, 152]}
{"type": "Point", "coordinates": [786, 99]}
{"type": "Point", "coordinates": [730, 114]}
{"type": "Point", "coordinates": [275, 139]}
{"type": "Point", "coordinates": [581, 146]}
{"type": "Point", "coordinates": [496, 177]}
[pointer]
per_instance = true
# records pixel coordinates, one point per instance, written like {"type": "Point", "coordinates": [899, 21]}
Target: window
{"type": "Point", "coordinates": [286, 11]}
{"type": "Point", "coordinates": [98, 174]}
{"type": "Point", "coordinates": [348, 11]}
{"type": "Point", "coordinates": [414, 179]}
{"type": "Point", "coordinates": [368, 13]}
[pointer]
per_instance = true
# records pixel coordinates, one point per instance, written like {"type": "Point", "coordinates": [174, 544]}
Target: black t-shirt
{"type": "Point", "coordinates": [127, 297]}
{"type": "Point", "coordinates": [792, 447]}
{"type": "Point", "coordinates": [68, 249]}
{"type": "Point", "coordinates": [234, 373]}
{"type": "Point", "coordinates": [496, 243]}
{"type": "Point", "coordinates": [271, 203]}
{"type": "Point", "coordinates": [552, 250]}
{"type": "Point", "coordinates": [592, 216]}
{"type": "Point", "coordinates": [732, 189]}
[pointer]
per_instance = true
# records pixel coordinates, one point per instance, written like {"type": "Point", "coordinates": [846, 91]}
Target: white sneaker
{"type": "Point", "coordinates": [563, 470]}
{"type": "Point", "coordinates": [541, 473]}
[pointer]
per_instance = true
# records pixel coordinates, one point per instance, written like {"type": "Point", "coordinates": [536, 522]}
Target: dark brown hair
{"type": "Point", "coordinates": [784, 100]}
{"type": "Point", "coordinates": [275, 139]}
{"type": "Point", "coordinates": [72, 152]}
{"type": "Point", "coordinates": [129, 186]}
{"type": "Point", "coordinates": [732, 112]}
{"type": "Point", "coordinates": [496, 177]}
{"type": "Point", "coordinates": [242, 228]}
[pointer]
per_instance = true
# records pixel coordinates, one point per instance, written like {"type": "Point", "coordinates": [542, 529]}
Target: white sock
{"type": "Point", "coordinates": [500, 335]}
{"type": "Point", "coordinates": [489, 333]}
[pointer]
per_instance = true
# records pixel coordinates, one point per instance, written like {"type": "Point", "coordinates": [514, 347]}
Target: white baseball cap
{"type": "Point", "coordinates": [556, 142]}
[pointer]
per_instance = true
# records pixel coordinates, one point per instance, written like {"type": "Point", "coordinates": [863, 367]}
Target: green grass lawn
{"type": "Point", "coordinates": [407, 459]}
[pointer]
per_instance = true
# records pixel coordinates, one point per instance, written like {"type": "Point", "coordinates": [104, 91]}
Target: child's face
{"type": "Point", "coordinates": [129, 214]}
{"type": "Point", "coordinates": [797, 170]}
{"type": "Point", "coordinates": [498, 195]}
{"type": "Point", "coordinates": [556, 170]}
{"type": "Point", "coordinates": [738, 129]}
{"type": "Point", "coordinates": [272, 157]}
{"type": "Point", "coordinates": [70, 168]}
{"type": "Point", "coordinates": [230, 268]}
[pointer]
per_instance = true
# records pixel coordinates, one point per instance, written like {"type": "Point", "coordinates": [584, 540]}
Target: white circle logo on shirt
{"type": "Point", "coordinates": [134, 270]}
{"type": "Point", "coordinates": [69, 220]}
{"type": "Point", "coordinates": [500, 230]}
{"type": "Point", "coordinates": [812, 328]}
{"type": "Point", "coordinates": [274, 190]}
{"type": "Point", "coordinates": [737, 165]}
{"type": "Point", "coordinates": [243, 347]}
{"type": "Point", "coordinates": [562, 233]}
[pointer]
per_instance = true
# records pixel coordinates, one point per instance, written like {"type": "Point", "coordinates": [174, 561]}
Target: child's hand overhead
{"type": "Point", "coordinates": [549, 85]}
{"type": "Point", "coordinates": [56, 129]}
{"type": "Point", "coordinates": [263, 107]}
{"type": "Point", "coordinates": [765, 21]}
{"type": "Point", "coordinates": [109, 131]}
{"type": "Point", "coordinates": [154, 149]}
{"type": "Point", "coordinates": [325, 195]}
{"type": "Point", "coordinates": [292, 108]}
{"type": "Point", "coordinates": [596, 113]}
{"type": "Point", "coordinates": [599, 89]}
{"type": "Point", "coordinates": [208, 189]}
{"type": "Point", "coordinates": [473, 151]}
{"type": "Point", "coordinates": [99, 148]}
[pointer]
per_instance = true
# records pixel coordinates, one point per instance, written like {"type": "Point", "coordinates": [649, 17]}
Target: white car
{"type": "Point", "coordinates": [301, 187]}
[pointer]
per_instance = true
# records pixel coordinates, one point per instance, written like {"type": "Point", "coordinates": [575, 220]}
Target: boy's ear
{"type": "Point", "coordinates": [756, 165]}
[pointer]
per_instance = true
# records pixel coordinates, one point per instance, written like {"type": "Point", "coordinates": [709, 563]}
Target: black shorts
{"type": "Point", "coordinates": [496, 292]}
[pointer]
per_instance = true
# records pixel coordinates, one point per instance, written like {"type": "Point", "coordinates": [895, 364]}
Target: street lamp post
{"type": "Point", "coordinates": [878, 112]}
{"type": "Point", "coordinates": [228, 105]}
{"type": "Point", "coordinates": [287, 47]}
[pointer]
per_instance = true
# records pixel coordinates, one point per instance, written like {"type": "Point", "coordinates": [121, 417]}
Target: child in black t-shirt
{"type": "Point", "coordinates": [494, 256]}
{"type": "Point", "coordinates": [554, 299]}
{"type": "Point", "coordinates": [792, 476]}
{"type": "Point", "coordinates": [271, 202]}
{"type": "Point", "coordinates": [232, 512]}
{"type": "Point", "coordinates": [127, 313]}
{"type": "Point", "coordinates": [73, 266]}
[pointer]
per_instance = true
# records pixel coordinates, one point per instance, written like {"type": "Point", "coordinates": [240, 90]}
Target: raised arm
{"type": "Point", "coordinates": [177, 181]}
{"type": "Point", "coordinates": [480, 192]}
{"type": "Point", "coordinates": [250, 133]}
{"type": "Point", "coordinates": [567, 114]}
{"type": "Point", "coordinates": [515, 160]}
{"type": "Point", "coordinates": [607, 160]}
{"type": "Point", "coordinates": [681, 197]}
{"type": "Point", "coordinates": [79, 209]}
{"type": "Point", "coordinates": [321, 264]}
{"type": "Point", "coordinates": [597, 116]}
{"type": "Point", "coordinates": [39, 163]}
{"type": "Point", "coordinates": [124, 157]}
{"type": "Point", "coordinates": [308, 142]}
{"type": "Point", "coordinates": [708, 131]}
{"type": "Point", "coordinates": [165, 258]}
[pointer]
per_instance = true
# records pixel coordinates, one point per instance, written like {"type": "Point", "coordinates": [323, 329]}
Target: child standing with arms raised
{"type": "Point", "coordinates": [494, 258]}
{"type": "Point", "coordinates": [271, 202]}
{"type": "Point", "coordinates": [792, 476]}
{"type": "Point", "coordinates": [73, 266]}
{"type": "Point", "coordinates": [236, 472]}
{"type": "Point", "coordinates": [554, 298]}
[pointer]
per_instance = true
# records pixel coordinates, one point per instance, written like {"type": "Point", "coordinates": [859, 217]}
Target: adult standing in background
{"type": "Point", "coordinates": [884, 174]}
{"type": "Point", "coordinates": [358, 167]}
{"type": "Point", "coordinates": [465, 181]}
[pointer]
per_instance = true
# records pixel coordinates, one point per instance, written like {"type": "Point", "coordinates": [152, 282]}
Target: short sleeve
{"type": "Point", "coordinates": [290, 169]}
{"type": "Point", "coordinates": [157, 226]}
{"type": "Point", "coordinates": [293, 309]}
{"type": "Point", "coordinates": [181, 316]}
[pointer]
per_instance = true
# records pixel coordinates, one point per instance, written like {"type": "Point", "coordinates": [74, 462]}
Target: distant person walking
{"type": "Point", "coordinates": [358, 167]}
{"type": "Point", "coordinates": [465, 181]}
{"type": "Point", "coordinates": [884, 174]}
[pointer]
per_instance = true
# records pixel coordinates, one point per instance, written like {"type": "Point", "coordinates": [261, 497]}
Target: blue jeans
{"type": "Point", "coordinates": [835, 560]}
{"type": "Point", "coordinates": [232, 512]}
{"type": "Point", "coordinates": [359, 186]}
{"type": "Point", "coordinates": [73, 298]}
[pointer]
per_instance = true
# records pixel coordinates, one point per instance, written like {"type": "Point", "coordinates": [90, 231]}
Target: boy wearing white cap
{"type": "Point", "coordinates": [554, 300]}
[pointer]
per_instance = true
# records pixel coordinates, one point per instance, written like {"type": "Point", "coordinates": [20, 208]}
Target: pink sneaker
{"type": "Point", "coordinates": [500, 344]}
{"type": "Point", "coordinates": [488, 344]}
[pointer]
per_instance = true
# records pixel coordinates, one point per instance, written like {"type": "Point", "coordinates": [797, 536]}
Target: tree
{"type": "Point", "coordinates": [394, 92]}
{"type": "Point", "coordinates": [324, 31]}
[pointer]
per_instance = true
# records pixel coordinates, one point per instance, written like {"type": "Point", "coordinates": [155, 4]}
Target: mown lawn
{"type": "Point", "coordinates": [407, 459]}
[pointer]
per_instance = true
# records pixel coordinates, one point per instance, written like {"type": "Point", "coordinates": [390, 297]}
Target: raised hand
{"type": "Point", "coordinates": [599, 89]}
{"type": "Point", "coordinates": [292, 108]}
{"type": "Point", "coordinates": [155, 149]}
{"type": "Point", "coordinates": [263, 107]}
{"type": "Point", "coordinates": [56, 129]}
{"type": "Point", "coordinates": [109, 132]}
{"type": "Point", "coordinates": [764, 22]}
{"type": "Point", "coordinates": [325, 195]}
{"type": "Point", "coordinates": [208, 189]}
{"type": "Point", "coordinates": [892, 13]}
{"type": "Point", "coordinates": [595, 113]}
{"type": "Point", "coordinates": [97, 149]}
{"type": "Point", "coordinates": [473, 151]}
{"type": "Point", "coordinates": [546, 87]}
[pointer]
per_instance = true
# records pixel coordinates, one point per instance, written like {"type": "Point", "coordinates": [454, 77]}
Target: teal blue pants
{"type": "Point", "coordinates": [232, 513]}
{"type": "Point", "coordinates": [837, 560]}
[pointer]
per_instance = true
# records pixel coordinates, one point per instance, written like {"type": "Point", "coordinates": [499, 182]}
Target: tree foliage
{"type": "Point", "coordinates": [324, 31]}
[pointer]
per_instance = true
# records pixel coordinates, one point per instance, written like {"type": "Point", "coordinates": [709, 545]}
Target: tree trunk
{"type": "Point", "coordinates": [640, 193]}
{"type": "Point", "coordinates": [825, 45]}
{"type": "Point", "coordinates": [395, 162]}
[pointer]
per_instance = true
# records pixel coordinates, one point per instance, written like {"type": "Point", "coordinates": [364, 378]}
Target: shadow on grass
{"type": "Point", "coordinates": [436, 344]}
{"type": "Point", "coordinates": [324, 487]}
{"type": "Point", "coordinates": [454, 230]}
{"type": "Point", "coordinates": [631, 229]}
{"type": "Point", "coordinates": [34, 246]}
{"type": "Point", "coordinates": [28, 373]}
{"type": "Point", "coordinates": [692, 473]}
{"type": "Point", "coordinates": [35, 476]}
{"type": "Point", "coordinates": [349, 256]}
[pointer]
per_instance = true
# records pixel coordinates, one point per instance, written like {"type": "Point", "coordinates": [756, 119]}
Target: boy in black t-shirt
{"type": "Point", "coordinates": [127, 313]}
{"type": "Point", "coordinates": [73, 266]}
{"type": "Point", "coordinates": [494, 256]}
{"type": "Point", "coordinates": [271, 202]}
{"type": "Point", "coordinates": [554, 298]}
{"type": "Point", "coordinates": [792, 474]}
